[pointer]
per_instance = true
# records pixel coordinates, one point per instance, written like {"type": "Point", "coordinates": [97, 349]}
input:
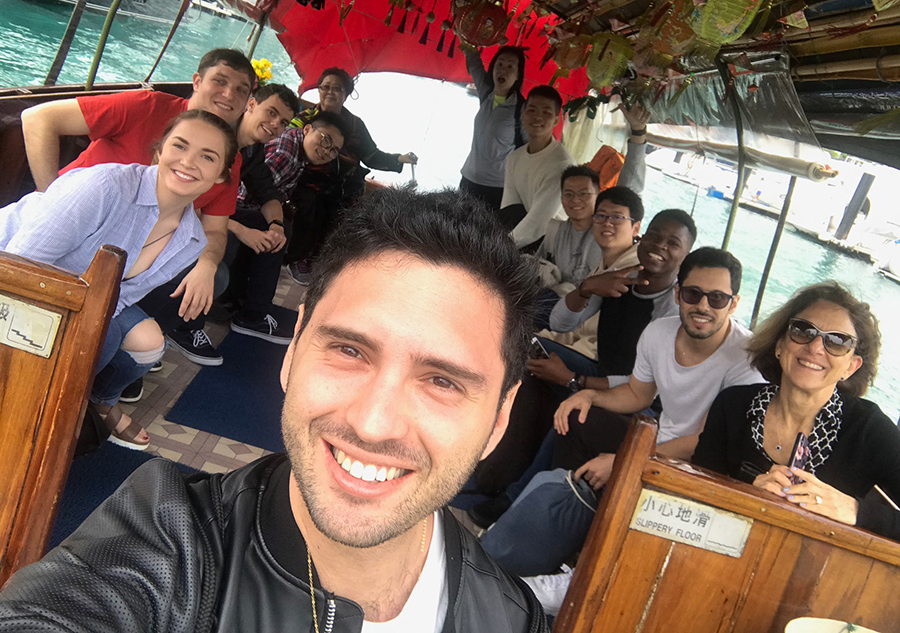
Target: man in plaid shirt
{"type": "Point", "coordinates": [253, 255]}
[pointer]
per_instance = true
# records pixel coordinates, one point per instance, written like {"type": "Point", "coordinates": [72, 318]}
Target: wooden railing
{"type": "Point", "coordinates": [790, 562]}
{"type": "Point", "coordinates": [52, 325]}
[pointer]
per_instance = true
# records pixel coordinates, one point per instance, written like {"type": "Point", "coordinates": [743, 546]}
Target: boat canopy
{"type": "Point", "coordinates": [804, 75]}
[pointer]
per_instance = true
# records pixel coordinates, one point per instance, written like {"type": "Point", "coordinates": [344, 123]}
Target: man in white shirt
{"type": "Point", "coordinates": [531, 188]}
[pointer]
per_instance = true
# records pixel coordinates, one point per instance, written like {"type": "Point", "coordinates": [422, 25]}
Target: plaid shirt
{"type": "Point", "coordinates": [286, 160]}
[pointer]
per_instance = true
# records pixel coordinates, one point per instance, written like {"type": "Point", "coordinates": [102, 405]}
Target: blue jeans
{"type": "Point", "coordinates": [116, 369]}
{"type": "Point", "coordinates": [545, 525]}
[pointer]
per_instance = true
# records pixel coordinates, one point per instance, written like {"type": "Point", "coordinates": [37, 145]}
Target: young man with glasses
{"type": "Point", "coordinates": [255, 261]}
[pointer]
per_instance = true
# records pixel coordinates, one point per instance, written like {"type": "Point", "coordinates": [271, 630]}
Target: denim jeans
{"type": "Point", "coordinates": [545, 525]}
{"type": "Point", "coordinates": [116, 369]}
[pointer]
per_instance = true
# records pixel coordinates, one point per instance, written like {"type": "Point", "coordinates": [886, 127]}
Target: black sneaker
{"type": "Point", "coordinates": [157, 366]}
{"type": "Point", "coordinates": [195, 344]}
{"type": "Point", "coordinates": [301, 271]}
{"type": "Point", "coordinates": [133, 392]}
{"type": "Point", "coordinates": [266, 328]}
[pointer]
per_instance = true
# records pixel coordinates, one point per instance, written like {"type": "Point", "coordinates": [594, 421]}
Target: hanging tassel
{"type": "Point", "coordinates": [424, 39]}
{"type": "Point", "coordinates": [684, 86]}
{"type": "Point", "coordinates": [390, 16]}
{"type": "Point", "coordinates": [402, 27]}
{"type": "Point", "coordinates": [416, 21]}
{"type": "Point", "coordinates": [452, 46]}
{"type": "Point", "coordinates": [445, 26]}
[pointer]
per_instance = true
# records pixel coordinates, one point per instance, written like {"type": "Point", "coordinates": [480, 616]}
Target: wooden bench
{"type": "Point", "coordinates": [791, 563]}
{"type": "Point", "coordinates": [52, 324]}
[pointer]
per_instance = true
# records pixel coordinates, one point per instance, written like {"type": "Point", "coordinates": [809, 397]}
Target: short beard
{"type": "Point", "coordinates": [414, 508]}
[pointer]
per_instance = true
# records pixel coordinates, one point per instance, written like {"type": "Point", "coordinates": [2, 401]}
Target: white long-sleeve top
{"type": "Point", "coordinates": [532, 180]}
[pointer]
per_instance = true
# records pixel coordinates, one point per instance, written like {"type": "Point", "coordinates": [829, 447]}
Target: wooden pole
{"type": "Point", "coordinates": [101, 44]}
{"type": "Point", "coordinates": [870, 38]}
{"type": "Point", "coordinates": [65, 43]}
{"type": "Point", "coordinates": [776, 239]}
{"type": "Point", "coordinates": [816, 71]}
{"type": "Point", "coordinates": [259, 29]}
{"type": "Point", "coordinates": [181, 11]}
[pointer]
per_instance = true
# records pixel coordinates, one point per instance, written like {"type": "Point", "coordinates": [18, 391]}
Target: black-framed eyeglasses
{"type": "Point", "coordinates": [327, 143]}
{"type": "Point", "coordinates": [835, 343]}
{"type": "Point", "coordinates": [569, 196]}
{"type": "Point", "coordinates": [615, 219]}
{"type": "Point", "coordinates": [716, 298]}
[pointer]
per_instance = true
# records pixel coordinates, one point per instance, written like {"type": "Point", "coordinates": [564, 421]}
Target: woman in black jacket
{"type": "Point", "coordinates": [820, 352]}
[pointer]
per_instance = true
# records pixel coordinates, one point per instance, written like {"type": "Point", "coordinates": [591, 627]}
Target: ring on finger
{"type": "Point", "coordinates": [818, 500]}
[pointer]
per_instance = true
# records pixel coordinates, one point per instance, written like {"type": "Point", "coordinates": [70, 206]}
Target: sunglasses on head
{"type": "Point", "coordinates": [716, 299]}
{"type": "Point", "coordinates": [835, 343]}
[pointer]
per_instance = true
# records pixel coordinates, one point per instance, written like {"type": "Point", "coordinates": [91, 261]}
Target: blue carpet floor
{"type": "Point", "coordinates": [242, 398]}
{"type": "Point", "coordinates": [92, 478]}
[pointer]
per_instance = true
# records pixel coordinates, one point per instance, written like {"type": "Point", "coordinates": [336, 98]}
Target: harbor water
{"type": "Point", "coordinates": [433, 119]}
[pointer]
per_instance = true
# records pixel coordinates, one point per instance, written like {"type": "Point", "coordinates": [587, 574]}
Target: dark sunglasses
{"type": "Point", "coordinates": [716, 299]}
{"type": "Point", "coordinates": [835, 343]}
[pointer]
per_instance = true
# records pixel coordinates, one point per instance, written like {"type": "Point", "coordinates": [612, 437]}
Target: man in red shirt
{"type": "Point", "coordinates": [123, 128]}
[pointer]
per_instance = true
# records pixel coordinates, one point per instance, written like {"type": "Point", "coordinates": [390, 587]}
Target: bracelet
{"type": "Point", "coordinates": [278, 222]}
{"type": "Point", "coordinates": [640, 132]}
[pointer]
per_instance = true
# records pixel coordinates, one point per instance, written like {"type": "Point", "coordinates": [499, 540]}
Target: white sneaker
{"type": "Point", "coordinates": [551, 589]}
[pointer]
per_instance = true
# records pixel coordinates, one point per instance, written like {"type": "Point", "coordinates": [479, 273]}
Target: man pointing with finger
{"type": "Point", "coordinates": [629, 304]}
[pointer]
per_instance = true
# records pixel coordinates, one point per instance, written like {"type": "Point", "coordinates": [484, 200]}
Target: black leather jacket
{"type": "Point", "coordinates": [166, 553]}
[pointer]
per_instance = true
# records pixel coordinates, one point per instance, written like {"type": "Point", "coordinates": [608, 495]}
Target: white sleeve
{"type": "Point", "coordinates": [541, 209]}
{"type": "Point", "coordinates": [564, 320]}
{"type": "Point", "coordinates": [615, 381]}
{"type": "Point", "coordinates": [741, 373]}
{"type": "Point", "coordinates": [510, 193]}
{"type": "Point", "coordinates": [643, 365]}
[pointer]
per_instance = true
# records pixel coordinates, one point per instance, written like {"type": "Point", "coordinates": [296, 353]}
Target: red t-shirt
{"type": "Point", "coordinates": [124, 126]}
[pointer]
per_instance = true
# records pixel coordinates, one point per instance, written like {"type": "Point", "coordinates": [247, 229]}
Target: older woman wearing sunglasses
{"type": "Point", "coordinates": [820, 352]}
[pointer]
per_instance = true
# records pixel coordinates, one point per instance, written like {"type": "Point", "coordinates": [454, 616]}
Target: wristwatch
{"type": "Point", "coordinates": [576, 384]}
{"type": "Point", "coordinates": [278, 222]}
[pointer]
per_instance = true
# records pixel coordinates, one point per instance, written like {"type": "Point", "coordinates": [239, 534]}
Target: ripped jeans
{"type": "Point", "coordinates": [116, 368]}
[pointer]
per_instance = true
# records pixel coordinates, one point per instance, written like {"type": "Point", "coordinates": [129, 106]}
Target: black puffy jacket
{"type": "Point", "coordinates": [165, 553]}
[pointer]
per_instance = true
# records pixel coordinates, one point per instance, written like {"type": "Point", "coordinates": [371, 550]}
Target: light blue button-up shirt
{"type": "Point", "coordinates": [106, 204]}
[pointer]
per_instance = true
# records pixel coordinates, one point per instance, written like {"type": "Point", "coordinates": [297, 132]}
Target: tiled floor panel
{"type": "Point", "coordinates": [181, 443]}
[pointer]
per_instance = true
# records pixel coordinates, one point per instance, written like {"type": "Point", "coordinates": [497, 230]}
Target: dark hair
{"type": "Point", "coordinates": [519, 54]}
{"type": "Point", "coordinates": [710, 257]}
{"type": "Point", "coordinates": [762, 346]}
{"type": "Point", "coordinates": [447, 228]}
{"type": "Point", "coordinates": [284, 93]}
{"type": "Point", "coordinates": [332, 119]}
{"type": "Point", "coordinates": [231, 144]}
{"type": "Point", "coordinates": [579, 171]}
{"type": "Point", "coordinates": [231, 58]}
{"type": "Point", "coordinates": [547, 92]}
{"type": "Point", "coordinates": [342, 75]}
{"type": "Point", "coordinates": [681, 217]}
{"type": "Point", "coordinates": [624, 197]}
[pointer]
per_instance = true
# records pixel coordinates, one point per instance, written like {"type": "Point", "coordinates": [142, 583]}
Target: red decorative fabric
{"type": "Point", "coordinates": [315, 40]}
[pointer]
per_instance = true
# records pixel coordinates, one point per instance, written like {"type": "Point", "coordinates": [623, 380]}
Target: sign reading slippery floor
{"type": "Point", "coordinates": [691, 523]}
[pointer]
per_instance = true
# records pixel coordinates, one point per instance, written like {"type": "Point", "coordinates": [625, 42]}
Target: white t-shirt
{"type": "Point", "coordinates": [426, 608]}
{"type": "Point", "coordinates": [688, 392]}
{"type": "Point", "coordinates": [532, 180]}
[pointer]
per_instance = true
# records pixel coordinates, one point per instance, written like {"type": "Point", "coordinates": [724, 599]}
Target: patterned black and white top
{"type": "Point", "coordinates": [825, 431]}
{"type": "Point", "coordinates": [853, 446]}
